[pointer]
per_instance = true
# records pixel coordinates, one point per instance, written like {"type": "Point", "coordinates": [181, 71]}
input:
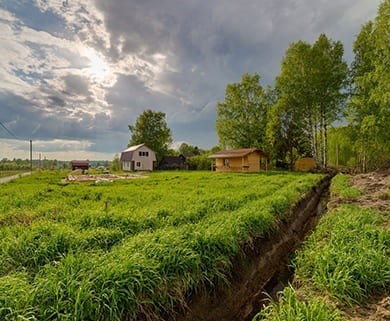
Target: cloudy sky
{"type": "Point", "coordinates": [75, 73]}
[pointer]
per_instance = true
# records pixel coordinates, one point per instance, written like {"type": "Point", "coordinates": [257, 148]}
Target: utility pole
{"type": "Point", "coordinates": [31, 155]}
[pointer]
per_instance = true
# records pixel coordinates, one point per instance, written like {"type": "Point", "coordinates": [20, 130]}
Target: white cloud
{"type": "Point", "coordinates": [56, 149]}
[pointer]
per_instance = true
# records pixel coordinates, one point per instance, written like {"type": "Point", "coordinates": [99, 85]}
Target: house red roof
{"type": "Point", "coordinates": [80, 162]}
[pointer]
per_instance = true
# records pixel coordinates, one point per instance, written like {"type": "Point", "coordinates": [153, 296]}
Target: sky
{"type": "Point", "coordinates": [75, 73]}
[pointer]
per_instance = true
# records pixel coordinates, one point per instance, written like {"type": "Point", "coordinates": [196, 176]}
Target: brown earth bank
{"type": "Point", "coordinates": [376, 308]}
{"type": "Point", "coordinates": [375, 188]}
{"type": "Point", "coordinates": [260, 267]}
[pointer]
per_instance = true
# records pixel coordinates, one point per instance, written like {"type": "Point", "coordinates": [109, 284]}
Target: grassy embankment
{"type": "Point", "coordinates": [114, 251]}
{"type": "Point", "coordinates": [344, 262]}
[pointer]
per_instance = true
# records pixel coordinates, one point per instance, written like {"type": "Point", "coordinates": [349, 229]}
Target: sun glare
{"type": "Point", "coordinates": [97, 66]}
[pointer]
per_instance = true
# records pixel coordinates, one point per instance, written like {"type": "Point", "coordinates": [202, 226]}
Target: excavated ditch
{"type": "Point", "coordinates": [263, 267]}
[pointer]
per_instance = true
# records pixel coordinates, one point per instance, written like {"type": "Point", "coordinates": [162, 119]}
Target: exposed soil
{"type": "Point", "coordinates": [375, 187]}
{"type": "Point", "coordinates": [260, 268]}
{"type": "Point", "coordinates": [376, 309]}
{"type": "Point", "coordinates": [77, 176]}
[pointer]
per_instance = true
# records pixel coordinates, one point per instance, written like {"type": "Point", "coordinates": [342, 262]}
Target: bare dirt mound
{"type": "Point", "coordinates": [79, 177]}
{"type": "Point", "coordinates": [375, 188]}
{"type": "Point", "coordinates": [377, 309]}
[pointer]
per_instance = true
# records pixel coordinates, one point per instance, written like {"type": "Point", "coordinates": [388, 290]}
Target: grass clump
{"type": "Point", "coordinates": [342, 188]}
{"type": "Point", "coordinates": [291, 308]}
{"type": "Point", "coordinates": [348, 255]}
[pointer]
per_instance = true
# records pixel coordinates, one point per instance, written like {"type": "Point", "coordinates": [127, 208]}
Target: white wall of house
{"type": "Point", "coordinates": [143, 159]}
{"type": "Point", "coordinates": [126, 166]}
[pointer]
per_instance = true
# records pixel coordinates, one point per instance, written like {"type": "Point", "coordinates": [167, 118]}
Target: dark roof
{"type": "Point", "coordinates": [126, 156]}
{"type": "Point", "coordinates": [237, 153]}
{"type": "Point", "coordinates": [170, 160]}
{"type": "Point", "coordinates": [80, 162]}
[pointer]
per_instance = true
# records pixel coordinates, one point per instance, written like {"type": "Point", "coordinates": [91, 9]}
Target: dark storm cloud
{"type": "Point", "coordinates": [27, 121]}
{"type": "Point", "coordinates": [77, 85]}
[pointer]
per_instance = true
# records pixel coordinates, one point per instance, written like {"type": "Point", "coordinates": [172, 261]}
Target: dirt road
{"type": "Point", "coordinates": [9, 178]}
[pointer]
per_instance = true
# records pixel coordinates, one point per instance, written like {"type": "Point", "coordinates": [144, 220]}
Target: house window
{"type": "Point", "coordinates": [226, 161]}
{"type": "Point", "coordinates": [138, 164]}
{"type": "Point", "coordinates": [143, 154]}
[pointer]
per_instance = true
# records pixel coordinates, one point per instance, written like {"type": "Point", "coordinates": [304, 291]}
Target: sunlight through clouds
{"type": "Point", "coordinates": [83, 70]}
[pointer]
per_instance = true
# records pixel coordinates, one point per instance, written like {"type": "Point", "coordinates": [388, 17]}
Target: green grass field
{"type": "Point", "coordinates": [344, 262]}
{"type": "Point", "coordinates": [114, 251]}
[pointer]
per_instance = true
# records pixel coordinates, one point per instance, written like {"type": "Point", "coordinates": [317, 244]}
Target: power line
{"type": "Point", "coordinates": [8, 130]}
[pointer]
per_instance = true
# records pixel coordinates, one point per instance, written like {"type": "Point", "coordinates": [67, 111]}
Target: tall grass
{"type": "Point", "coordinates": [346, 259]}
{"type": "Point", "coordinates": [342, 188]}
{"type": "Point", "coordinates": [158, 240]}
{"type": "Point", "coordinates": [291, 308]}
{"type": "Point", "coordinates": [348, 255]}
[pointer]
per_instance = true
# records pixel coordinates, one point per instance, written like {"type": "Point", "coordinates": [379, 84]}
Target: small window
{"type": "Point", "coordinates": [138, 164]}
{"type": "Point", "coordinates": [226, 161]}
{"type": "Point", "coordinates": [146, 154]}
{"type": "Point", "coordinates": [139, 153]}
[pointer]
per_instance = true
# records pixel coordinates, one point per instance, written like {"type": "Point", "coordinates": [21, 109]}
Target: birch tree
{"type": "Point", "coordinates": [312, 79]}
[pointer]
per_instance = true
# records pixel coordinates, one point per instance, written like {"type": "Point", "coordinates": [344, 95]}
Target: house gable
{"type": "Point", "coordinates": [138, 157]}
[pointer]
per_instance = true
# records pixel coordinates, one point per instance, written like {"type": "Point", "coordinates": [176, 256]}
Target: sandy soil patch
{"type": "Point", "coordinates": [77, 177]}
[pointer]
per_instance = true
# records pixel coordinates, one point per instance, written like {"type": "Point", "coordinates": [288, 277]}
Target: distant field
{"type": "Point", "coordinates": [113, 251]}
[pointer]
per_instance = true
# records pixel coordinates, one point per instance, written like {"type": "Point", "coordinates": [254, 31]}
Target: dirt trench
{"type": "Point", "coordinates": [262, 267]}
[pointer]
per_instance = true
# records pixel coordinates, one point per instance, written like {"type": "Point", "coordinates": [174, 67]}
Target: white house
{"type": "Point", "coordinates": [138, 158]}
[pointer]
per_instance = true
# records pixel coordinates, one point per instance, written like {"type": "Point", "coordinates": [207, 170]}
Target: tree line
{"type": "Point", "coordinates": [319, 107]}
{"type": "Point", "coordinates": [314, 89]}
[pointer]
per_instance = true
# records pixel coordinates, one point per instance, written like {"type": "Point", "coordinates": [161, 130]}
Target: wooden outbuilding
{"type": "Point", "coordinates": [80, 164]}
{"type": "Point", "coordinates": [138, 158]}
{"type": "Point", "coordinates": [305, 164]}
{"type": "Point", "coordinates": [240, 160]}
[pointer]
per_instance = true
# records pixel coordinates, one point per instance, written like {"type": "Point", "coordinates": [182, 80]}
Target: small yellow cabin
{"type": "Point", "coordinates": [305, 164]}
{"type": "Point", "coordinates": [240, 160]}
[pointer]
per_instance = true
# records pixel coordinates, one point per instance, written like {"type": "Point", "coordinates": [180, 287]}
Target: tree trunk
{"type": "Point", "coordinates": [364, 158]}
{"type": "Point", "coordinates": [325, 146]}
{"type": "Point", "coordinates": [313, 142]}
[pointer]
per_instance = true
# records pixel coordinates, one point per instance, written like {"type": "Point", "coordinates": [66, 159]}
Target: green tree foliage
{"type": "Point", "coordinates": [241, 118]}
{"type": "Point", "coordinates": [152, 130]}
{"type": "Point", "coordinates": [292, 118]}
{"type": "Point", "coordinates": [115, 165]}
{"type": "Point", "coordinates": [369, 108]}
{"type": "Point", "coordinates": [329, 80]}
{"type": "Point", "coordinates": [341, 151]}
{"type": "Point", "coordinates": [285, 133]}
{"type": "Point", "coordinates": [189, 150]}
{"type": "Point", "coordinates": [310, 97]}
{"type": "Point", "coordinates": [199, 162]}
